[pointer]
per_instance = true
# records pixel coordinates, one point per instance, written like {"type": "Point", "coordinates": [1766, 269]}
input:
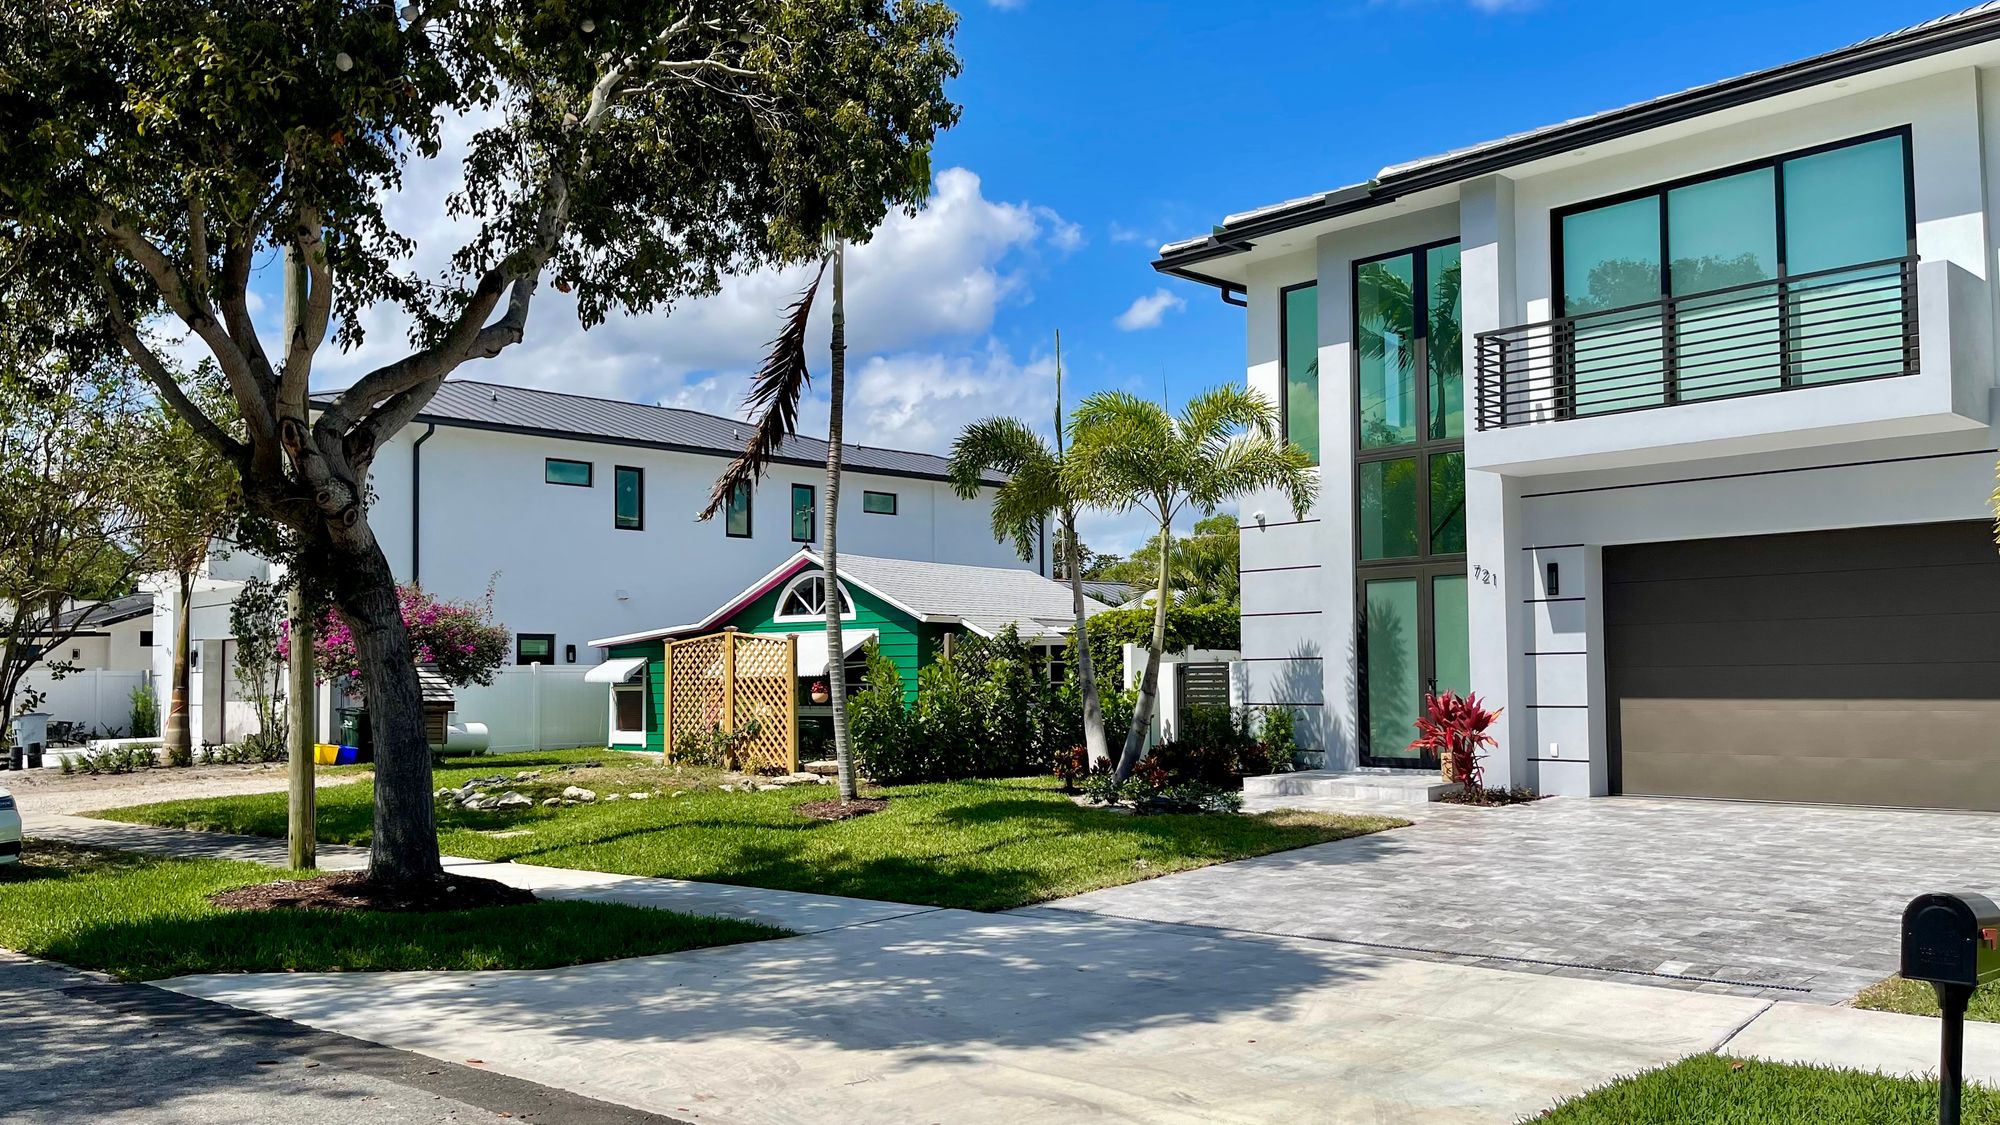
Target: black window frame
{"type": "Point", "coordinates": [812, 516]}
{"type": "Point", "coordinates": [1426, 566]}
{"type": "Point", "coordinates": [1285, 368]}
{"type": "Point", "coordinates": [749, 512]}
{"type": "Point", "coordinates": [617, 518]}
{"type": "Point", "coordinates": [589, 472]}
{"type": "Point", "coordinates": [523, 660]}
{"type": "Point", "coordinates": [145, 638]}
{"type": "Point", "coordinates": [1776, 163]}
{"type": "Point", "coordinates": [868, 492]}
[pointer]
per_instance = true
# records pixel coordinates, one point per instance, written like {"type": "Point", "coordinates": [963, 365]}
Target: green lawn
{"type": "Point", "coordinates": [1709, 1090]}
{"type": "Point", "coordinates": [1918, 999]}
{"type": "Point", "coordinates": [144, 918]}
{"type": "Point", "coordinates": [979, 845]}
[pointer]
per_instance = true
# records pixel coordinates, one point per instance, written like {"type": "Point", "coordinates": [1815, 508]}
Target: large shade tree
{"type": "Point", "coordinates": [1128, 454]}
{"type": "Point", "coordinates": [155, 153]}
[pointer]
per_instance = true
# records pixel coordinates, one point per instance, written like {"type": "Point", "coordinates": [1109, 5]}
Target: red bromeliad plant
{"type": "Point", "coordinates": [1454, 728]}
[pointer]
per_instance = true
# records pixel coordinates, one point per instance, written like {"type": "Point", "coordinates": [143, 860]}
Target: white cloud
{"type": "Point", "coordinates": [1148, 311]}
{"type": "Point", "coordinates": [1121, 233]}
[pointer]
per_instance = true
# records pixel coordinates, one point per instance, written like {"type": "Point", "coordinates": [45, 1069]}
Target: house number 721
{"type": "Point", "coordinates": [1484, 576]}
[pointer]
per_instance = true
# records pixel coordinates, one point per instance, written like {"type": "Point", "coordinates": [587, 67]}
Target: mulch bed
{"type": "Point", "coordinates": [351, 890]}
{"type": "Point", "coordinates": [1491, 798]}
{"type": "Point", "coordinates": [842, 810]}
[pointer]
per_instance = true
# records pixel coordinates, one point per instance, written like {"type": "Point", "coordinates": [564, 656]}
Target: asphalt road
{"type": "Point", "coordinates": [74, 1048]}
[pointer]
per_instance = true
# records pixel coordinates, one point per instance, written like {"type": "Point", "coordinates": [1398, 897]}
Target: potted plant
{"type": "Point", "coordinates": [1454, 728]}
{"type": "Point", "coordinates": [818, 691]}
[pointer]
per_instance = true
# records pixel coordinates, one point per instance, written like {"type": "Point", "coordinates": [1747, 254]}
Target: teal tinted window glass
{"type": "Point", "coordinates": [555, 470]}
{"type": "Point", "coordinates": [1846, 206]}
{"type": "Point", "coordinates": [1386, 327]}
{"type": "Point", "coordinates": [880, 503]}
{"type": "Point", "coordinates": [1301, 363]}
{"type": "Point", "coordinates": [1451, 645]}
{"type": "Point", "coordinates": [1723, 233]}
{"type": "Point", "coordinates": [802, 513]}
{"type": "Point", "coordinates": [1611, 256]}
{"type": "Point", "coordinates": [629, 498]}
{"type": "Point", "coordinates": [1394, 684]}
{"type": "Point", "coordinates": [1447, 485]}
{"type": "Point", "coordinates": [737, 520]}
{"type": "Point", "coordinates": [1444, 344]}
{"type": "Point", "coordinates": [1388, 509]}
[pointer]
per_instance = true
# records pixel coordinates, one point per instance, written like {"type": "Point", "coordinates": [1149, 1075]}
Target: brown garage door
{"type": "Point", "coordinates": [1841, 667]}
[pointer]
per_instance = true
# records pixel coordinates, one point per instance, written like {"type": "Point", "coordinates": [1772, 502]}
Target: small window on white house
{"type": "Point", "coordinates": [805, 600]}
{"type": "Point", "coordinates": [145, 638]}
{"type": "Point", "coordinates": [879, 503]}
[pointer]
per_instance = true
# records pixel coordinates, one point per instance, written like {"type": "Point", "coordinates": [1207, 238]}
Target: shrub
{"type": "Point", "coordinates": [1279, 734]}
{"type": "Point", "coordinates": [145, 712]}
{"type": "Point", "coordinates": [714, 745]}
{"type": "Point", "coordinates": [1215, 625]}
{"type": "Point", "coordinates": [460, 639]}
{"type": "Point", "coordinates": [1454, 728]}
{"type": "Point", "coordinates": [111, 759]}
{"type": "Point", "coordinates": [180, 756]}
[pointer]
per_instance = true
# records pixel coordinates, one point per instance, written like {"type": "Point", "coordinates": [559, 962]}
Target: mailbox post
{"type": "Point", "coordinates": [1951, 940]}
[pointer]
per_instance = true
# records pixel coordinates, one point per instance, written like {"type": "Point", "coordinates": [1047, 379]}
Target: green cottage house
{"type": "Point", "coordinates": [912, 610]}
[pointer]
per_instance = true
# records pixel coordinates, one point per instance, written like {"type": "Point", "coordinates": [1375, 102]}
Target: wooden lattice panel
{"type": "Point", "coordinates": [726, 681]}
{"type": "Point", "coordinates": [766, 688]}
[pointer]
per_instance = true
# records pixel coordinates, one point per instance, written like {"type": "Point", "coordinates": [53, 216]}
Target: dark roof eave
{"type": "Point", "coordinates": [1875, 54]}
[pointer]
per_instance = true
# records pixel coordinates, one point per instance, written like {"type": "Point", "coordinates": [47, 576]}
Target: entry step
{"type": "Point", "coordinates": [1406, 787]}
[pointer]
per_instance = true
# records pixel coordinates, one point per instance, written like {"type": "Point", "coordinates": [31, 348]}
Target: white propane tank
{"type": "Point", "coordinates": [470, 737]}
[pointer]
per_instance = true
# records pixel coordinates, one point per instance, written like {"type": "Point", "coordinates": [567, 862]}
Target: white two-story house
{"type": "Point", "coordinates": [580, 512]}
{"type": "Point", "coordinates": [1669, 430]}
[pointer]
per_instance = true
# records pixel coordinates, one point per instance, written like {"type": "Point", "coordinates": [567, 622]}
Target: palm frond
{"type": "Point", "coordinates": [773, 398]}
{"type": "Point", "coordinates": [1033, 488]}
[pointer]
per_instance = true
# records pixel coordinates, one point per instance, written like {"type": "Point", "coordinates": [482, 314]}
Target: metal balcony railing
{"type": "Point", "coordinates": [1830, 326]}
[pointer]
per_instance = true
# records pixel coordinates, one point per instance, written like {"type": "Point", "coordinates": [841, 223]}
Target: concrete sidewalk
{"type": "Point", "coordinates": [883, 1012]}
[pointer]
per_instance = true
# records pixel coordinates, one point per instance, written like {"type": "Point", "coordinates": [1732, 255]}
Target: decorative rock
{"type": "Point", "coordinates": [639, 796]}
{"type": "Point", "coordinates": [795, 779]}
{"type": "Point", "coordinates": [513, 800]}
{"type": "Point", "coordinates": [725, 789]}
{"type": "Point", "coordinates": [768, 788]}
{"type": "Point", "coordinates": [443, 794]}
{"type": "Point", "coordinates": [527, 775]}
{"type": "Point", "coordinates": [824, 769]}
{"type": "Point", "coordinates": [610, 797]}
{"type": "Point", "coordinates": [547, 801]}
{"type": "Point", "coordinates": [578, 793]}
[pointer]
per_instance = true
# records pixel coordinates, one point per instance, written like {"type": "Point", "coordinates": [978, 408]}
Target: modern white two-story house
{"type": "Point", "coordinates": [1671, 430]}
{"type": "Point", "coordinates": [581, 511]}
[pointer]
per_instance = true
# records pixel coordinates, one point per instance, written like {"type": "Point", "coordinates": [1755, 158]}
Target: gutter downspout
{"type": "Point", "coordinates": [416, 503]}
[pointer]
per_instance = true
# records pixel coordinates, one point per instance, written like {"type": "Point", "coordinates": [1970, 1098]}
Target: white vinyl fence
{"type": "Point", "coordinates": [539, 707]}
{"type": "Point", "coordinates": [102, 701]}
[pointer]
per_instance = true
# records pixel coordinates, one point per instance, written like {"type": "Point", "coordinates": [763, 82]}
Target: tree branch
{"type": "Point", "coordinates": [163, 380]}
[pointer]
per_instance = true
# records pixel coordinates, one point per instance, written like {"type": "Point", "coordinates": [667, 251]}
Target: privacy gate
{"type": "Point", "coordinates": [739, 690]}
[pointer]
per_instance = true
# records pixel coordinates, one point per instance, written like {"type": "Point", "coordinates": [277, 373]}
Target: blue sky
{"type": "Point", "coordinates": [1093, 131]}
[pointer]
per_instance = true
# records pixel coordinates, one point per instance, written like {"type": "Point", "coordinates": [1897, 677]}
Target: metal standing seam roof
{"type": "Point", "coordinates": [1954, 29]}
{"type": "Point", "coordinates": [493, 406]}
{"type": "Point", "coordinates": [101, 614]}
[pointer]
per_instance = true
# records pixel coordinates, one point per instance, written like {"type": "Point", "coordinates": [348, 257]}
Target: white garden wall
{"type": "Point", "coordinates": [538, 707]}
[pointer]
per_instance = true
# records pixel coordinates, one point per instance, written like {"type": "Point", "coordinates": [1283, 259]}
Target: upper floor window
{"type": "Point", "coordinates": [1409, 359]}
{"type": "Point", "coordinates": [1298, 331]}
{"type": "Point", "coordinates": [879, 503]}
{"type": "Point", "coordinates": [534, 648]}
{"type": "Point", "coordinates": [736, 519]}
{"type": "Point", "coordinates": [628, 498]}
{"type": "Point", "coordinates": [804, 510]}
{"type": "Point", "coordinates": [805, 600]}
{"type": "Point", "coordinates": [557, 470]}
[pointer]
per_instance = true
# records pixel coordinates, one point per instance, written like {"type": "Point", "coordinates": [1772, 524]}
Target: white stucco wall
{"type": "Point", "coordinates": [563, 568]}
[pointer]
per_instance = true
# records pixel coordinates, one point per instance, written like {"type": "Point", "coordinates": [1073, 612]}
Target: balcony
{"type": "Point", "coordinates": [1881, 349]}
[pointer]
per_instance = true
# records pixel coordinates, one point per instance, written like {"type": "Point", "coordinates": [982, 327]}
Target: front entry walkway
{"type": "Point", "coordinates": [1786, 902]}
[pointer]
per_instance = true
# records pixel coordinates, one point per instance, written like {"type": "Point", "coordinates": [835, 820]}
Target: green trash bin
{"type": "Point", "coordinates": [355, 732]}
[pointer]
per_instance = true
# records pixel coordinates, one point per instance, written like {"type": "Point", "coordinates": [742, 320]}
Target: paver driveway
{"type": "Point", "coordinates": [1782, 901]}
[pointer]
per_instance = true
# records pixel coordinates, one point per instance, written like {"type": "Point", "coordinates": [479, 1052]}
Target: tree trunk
{"type": "Point", "coordinates": [1149, 684]}
{"type": "Point", "coordinates": [1096, 743]}
{"type": "Point", "coordinates": [302, 825]}
{"type": "Point", "coordinates": [836, 653]}
{"type": "Point", "coordinates": [174, 733]}
{"type": "Point", "coordinates": [404, 848]}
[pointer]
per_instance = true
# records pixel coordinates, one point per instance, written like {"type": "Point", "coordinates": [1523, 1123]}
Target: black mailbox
{"type": "Point", "coordinates": [1951, 939]}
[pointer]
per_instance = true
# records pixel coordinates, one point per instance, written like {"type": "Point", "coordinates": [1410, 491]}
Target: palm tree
{"type": "Point", "coordinates": [1035, 489]}
{"type": "Point", "coordinates": [774, 398]}
{"type": "Point", "coordinates": [1128, 454]}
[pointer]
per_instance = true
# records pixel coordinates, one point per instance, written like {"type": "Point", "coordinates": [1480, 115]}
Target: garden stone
{"type": "Point", "coordinates": [512, 800]}
{"type": "Point", "coordinates": [547, 801]}
{"type": "Point", "coordinates": [610, 797]}
{"type": "Point", "coordinates": [639, 796]}
{"type": "Point", "coordinates": [768, 787]}
{"type": "Point", "coordinates": [578, 793]}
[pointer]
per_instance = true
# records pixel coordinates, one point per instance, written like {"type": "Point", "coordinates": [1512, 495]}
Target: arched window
{"type": "Point", "coordinates": [805, 600]}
